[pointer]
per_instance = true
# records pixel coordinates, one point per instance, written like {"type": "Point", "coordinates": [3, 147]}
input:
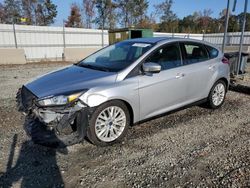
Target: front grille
{"type": "Point", "coordinates": [28, 98]}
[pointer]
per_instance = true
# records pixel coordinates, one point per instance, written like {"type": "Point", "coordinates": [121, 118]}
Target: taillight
{"type": "Point", "coordinates": [225, 61]}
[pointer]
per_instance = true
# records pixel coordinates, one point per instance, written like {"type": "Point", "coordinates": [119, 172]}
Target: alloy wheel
{"type": "Point", "coordinates": [110, 124]}
{"type": "Point", "coordinates": [218, 94]}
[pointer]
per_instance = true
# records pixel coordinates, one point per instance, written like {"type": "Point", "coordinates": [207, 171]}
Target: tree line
{"type": "Point", "coordinates": [29, 12]}
{"type": "Point", "coordinates": [111, 14]}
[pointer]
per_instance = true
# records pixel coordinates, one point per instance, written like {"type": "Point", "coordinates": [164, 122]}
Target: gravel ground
{"type": "Point", "coordinates": [195, 147]}
{"type": "Point", "coordinates": [246, 80]}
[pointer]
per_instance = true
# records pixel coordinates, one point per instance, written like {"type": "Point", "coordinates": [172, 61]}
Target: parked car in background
{"type": "Point", "coordinates": [125, 83]}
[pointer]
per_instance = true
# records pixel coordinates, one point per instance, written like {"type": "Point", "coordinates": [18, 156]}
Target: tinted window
{"type": "Point", "coordinates": [213, 53]}
{"type": "Point", "coordinates": [167, 56]}
{"type": "Point", "coordinates": [194, 53]}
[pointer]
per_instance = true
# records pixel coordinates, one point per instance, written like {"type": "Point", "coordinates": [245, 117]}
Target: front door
{"type": "Point", "coordinates": [166, 90]}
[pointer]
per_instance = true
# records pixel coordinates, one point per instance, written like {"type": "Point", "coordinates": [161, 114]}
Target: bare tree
{"type": "Point", "coordinates": [205, 19]}
{"type": "Point", "coordinates": [132, 13]}
{"type": "Point", "coordinates": [28, 11]}
{"type": "Point", "coordinates": [164, 10]}
{"type": "Point", "coordinates": [148, 22]}
{"type": "Point", "coordinates": [74, 20]}
{"type": "Point", "coordinates": [224, 12]}
{"type": "Point", "coordinates": [2, 14]}
{"type": "Point", "coordinates": [125, 7]}
{"type": "Point", "coordinates": [45, 12]}
{"type": "Point", "coordinates": [140, 11]}
{"type": "Point", "coordinates": [12, 9]}
{"type": "Point", "coordinates": [88, 12]}
{"type": "Point", "coordinates": [169, 20]}
{"type": "Point", "coordinates": [105, 14]}
{"type": "Point", "coordinates": [112, 15]}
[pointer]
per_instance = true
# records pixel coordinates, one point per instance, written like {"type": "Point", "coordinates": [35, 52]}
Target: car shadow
{"type": "Point", "coordinates": [240, 88]}
{"type": "Point", "coordinates": [36, 166]}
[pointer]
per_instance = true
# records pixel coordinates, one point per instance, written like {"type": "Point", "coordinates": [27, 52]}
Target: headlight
{"type": "Point", "coordinates": [59, 100]}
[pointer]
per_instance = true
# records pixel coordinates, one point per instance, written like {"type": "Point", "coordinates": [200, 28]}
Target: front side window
{"type": "Point", "coordinates": [167, 56]}
{"type": "Point", "coordinates": [116, 57]}
{"type": "Point", "coordinates": [194, 53]}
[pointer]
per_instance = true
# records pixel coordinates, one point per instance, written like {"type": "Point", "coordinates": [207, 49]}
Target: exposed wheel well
{"type": "Point", "coordinates": [131, 112]}
{"type": "Point", "coordinates": [226, 82]}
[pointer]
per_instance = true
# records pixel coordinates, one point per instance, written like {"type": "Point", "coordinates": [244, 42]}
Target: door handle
{"type": "Point", "coordinates": [211, 67]}
{"type": "Point", "coordinates": [180, 75]}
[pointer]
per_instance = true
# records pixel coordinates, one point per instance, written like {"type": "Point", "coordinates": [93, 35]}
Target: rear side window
{"type": "Point", "coordinates": [194, 53]}
{"type": "Point", "coordinates": [213, 52]}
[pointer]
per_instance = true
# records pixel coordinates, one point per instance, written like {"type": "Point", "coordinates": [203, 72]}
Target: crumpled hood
{"type": "Point", "coordinates": [73, 78]}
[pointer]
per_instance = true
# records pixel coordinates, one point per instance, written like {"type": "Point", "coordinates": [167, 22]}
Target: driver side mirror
{"type": "Point", "coordinates": [151, 67]}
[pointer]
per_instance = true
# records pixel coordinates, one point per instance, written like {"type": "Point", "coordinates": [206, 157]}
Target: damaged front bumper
{"type": "Point", "coordinates": [53, 126]}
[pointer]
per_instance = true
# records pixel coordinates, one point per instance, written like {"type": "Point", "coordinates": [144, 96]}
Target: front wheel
{"type": "Point", "coordinates": [217, 95]}
{"type": "Point", "coordinates": [109, 123]}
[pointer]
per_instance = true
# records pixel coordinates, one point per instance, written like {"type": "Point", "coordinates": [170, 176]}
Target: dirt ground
{"type": "Point", "coordinates": [195, 147]}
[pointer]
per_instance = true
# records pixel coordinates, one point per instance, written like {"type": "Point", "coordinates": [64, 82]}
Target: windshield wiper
{"type": "Point", "coordinates": [93, 67]}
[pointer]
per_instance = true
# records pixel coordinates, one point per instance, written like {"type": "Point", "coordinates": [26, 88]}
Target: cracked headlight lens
{"type": "Point", "coordinates": [59, 100]}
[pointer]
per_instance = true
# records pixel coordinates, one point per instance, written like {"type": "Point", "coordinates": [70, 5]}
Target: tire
{"type": "Point", "coordinates": [107, 130]}
{"type": "Point", "coordinates": [217, 95]}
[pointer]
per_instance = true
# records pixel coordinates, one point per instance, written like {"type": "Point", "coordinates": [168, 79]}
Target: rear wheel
{"type": "Point", "coordinates": [217, 95]}
{"type": "Point", "coordinates": [109, 123]}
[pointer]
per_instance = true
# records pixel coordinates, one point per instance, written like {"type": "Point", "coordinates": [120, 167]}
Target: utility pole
{"type": "Point", "coordinates": [64, 43]}
{"type": "Point", "coordinates": [14, 31]}
{"type": "Point", "coordinates": [226, 27]}
{"type": "Point", "coordinates": [242, 36]}
{"type": "Point", "coordinates": [102, 34]}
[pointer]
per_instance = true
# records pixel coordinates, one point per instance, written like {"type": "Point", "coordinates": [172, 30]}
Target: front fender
{"type": "Point", "coordinates": [126, 90]}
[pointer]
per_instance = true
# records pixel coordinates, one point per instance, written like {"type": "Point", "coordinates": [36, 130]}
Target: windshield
{"type": "Point", "coordinates": [116, 57]}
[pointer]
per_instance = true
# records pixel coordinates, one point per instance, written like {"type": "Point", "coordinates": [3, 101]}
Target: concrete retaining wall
{"type": "Point", "coordinates": [245, 49]}
{"type": "Point", "coordinates": [12, 56]}
{"type": "Point", "coordinates": [77, 54]}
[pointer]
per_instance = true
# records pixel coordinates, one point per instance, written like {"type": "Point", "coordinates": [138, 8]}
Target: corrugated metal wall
{"type": "Point", "coordinates": [181, 35]}
{"type": "Point", "coordinates": [214, 38]}
{"type": "Point", "coordinates": [232, 38]}
{"type": "Point", "coordinates": [40, 42]}
{"type": "Point", "coordinates": [48, 42]}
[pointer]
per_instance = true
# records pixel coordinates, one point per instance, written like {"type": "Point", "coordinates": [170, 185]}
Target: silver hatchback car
{"type": "Point", "coordinates": [135, 80]}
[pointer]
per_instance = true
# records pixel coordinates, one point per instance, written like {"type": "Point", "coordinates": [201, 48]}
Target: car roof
{"type": "Point", "coordinates": [150, 39]}
{"type": "Point", "coordinates": [154, 40]}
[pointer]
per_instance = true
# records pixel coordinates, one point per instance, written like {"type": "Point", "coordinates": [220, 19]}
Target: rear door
{"type": "Point", "coordinates": [200, 70]}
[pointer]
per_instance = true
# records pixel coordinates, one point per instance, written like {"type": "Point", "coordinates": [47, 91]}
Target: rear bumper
{"type": "Point", "coordinates": [53, 126]}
